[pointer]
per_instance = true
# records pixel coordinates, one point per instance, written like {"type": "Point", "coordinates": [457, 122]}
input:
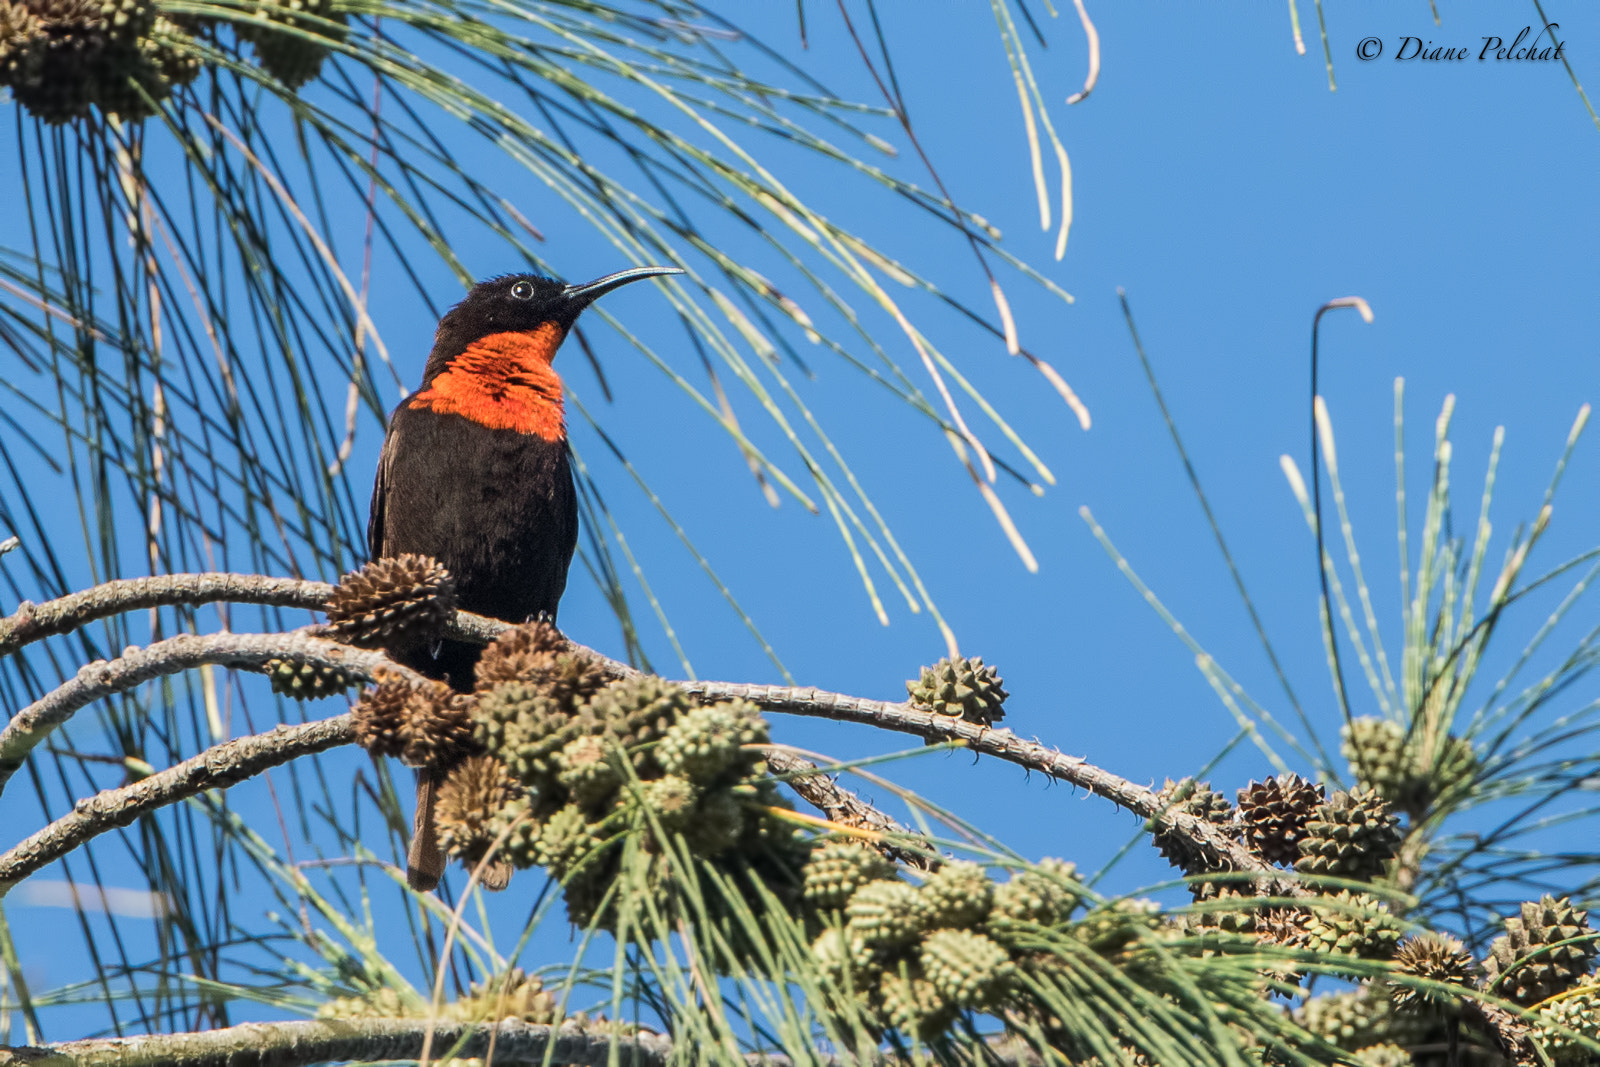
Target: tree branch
{"type": "Point", "coordinates": [102, 678]}
{"type": "Point", "coordinates": [292, 1044]}
{"type": "Point", "coordinates": [1001, 743]}
{"type": "Point", "coordinates": [216, 768]}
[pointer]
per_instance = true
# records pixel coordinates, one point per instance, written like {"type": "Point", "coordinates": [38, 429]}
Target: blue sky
{"type": "Point", "coordinates": [1229, 192]}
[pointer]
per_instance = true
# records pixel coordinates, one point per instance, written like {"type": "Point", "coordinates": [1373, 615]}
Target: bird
{"type": "Point", "coordinates": [474, 472]}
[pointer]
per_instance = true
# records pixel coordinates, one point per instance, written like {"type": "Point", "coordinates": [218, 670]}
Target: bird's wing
{"type": "Point", "coordinates": [380, 488]}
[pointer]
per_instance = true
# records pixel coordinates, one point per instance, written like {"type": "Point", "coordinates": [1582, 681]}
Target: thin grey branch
{"type": "Point", "coordinates": [292, 1044]}
{"type": "Point", "coordinates": [102, 678]}
{"type": "Point", "coordinates": [910, 719]}
{"type": "Point", "coordinates": [216, 768]}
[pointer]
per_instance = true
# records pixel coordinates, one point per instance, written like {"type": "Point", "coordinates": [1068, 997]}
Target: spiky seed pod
{"type": "Point", "coordinates": [526, 729]}
{"type": "Point", "coordinates": [569, 679]}
{"type": "Point", "coordinates": [705, 742]}
{"type": "Point", "coordinates": [967, 969]}
{"type": "Point", "coordinates": [1042, 895]}
{"type": "Point", "coordinates": [958, 894]}
{"type": "Point", "coordinates": [885, 915]}
{"type": "Point", "coordinates": [307, 681]}
{"type": "Point", "coordinates": [1201, 801]}
{"type": "Point", "coordinates": [1353, 835]}
{"type": "Point", "coordinates": [521, 829]}
{"type": "Point", "coordinates": [475, 791]}
{"type": "Point", "coordinates": [1384, 1055]}
{"type": "Point", "coordinates": [849, 962]}
{"type": "Point", "coordinates": [379, 717]}
{"type": "Point", "coordinates": [1436, 958]}
{"type": "Point", "coordinates": [638, 710]}
{"type": "Point", "coordinates": [1405, 771]}
{"type": "Point", "coordinates": [1358, 1019]}
{"type": "Point", "coordinates": [913, 1006]}
{"type": "Point", "coordinates": [586, 771]}
{"type": "Point", "coordinates": [438, 728]}
{"type": "Point", "coordinates": [513, 995]}
{"type": "Point", "coordinates": [1579, 1011]}
{"type": "Point", "coordinates": [1226, 911]}
{"type": "Point", "coordinates": [382, 1003]}
{"type": "Point", "coordinates": [566, 840]}
{"type": "Point", "coordinates": [1273, 815]}
{"type": "Point", "coordinates": [961, 687]}
{"type": "Point", "coordinates": [288, 55]}
{"type": "Point", "coordinates": [1113, 926]}
{"type": "Point", "coordinates": [718, 824]}
{"type": "Point", "coordinates": [399, 603]}
{"type": "Point", "coordinates": [1522, 966]}
{"type": "Point", "coordinates": [671, 801]}
{"type": "Point", "coordinates": [518, 653]}
{"type": "Point", "coordinates": [1357, 924]}
{"type": "Point", "coordinates": [837, 869]}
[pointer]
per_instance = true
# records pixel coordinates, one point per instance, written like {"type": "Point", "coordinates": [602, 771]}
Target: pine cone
{"type": "Point", "coordinates": [961, 687]}
{"type": "Point", "coordinates": [1436, 958]}
{"type": "Point", "coordinates": [1113, 926]}
{"type": "Point", "coordinates": [706, 742]}
{"type": "Point", "coordinates": [526, 728]}
{"type": "Point", "coordinates": [913, 1006]}
{"type": "Point", "coordinates": [1385, 1055]}
{"type": "Point", "coordinates": [671, 801]}
{"type": "Point", "coordinates": [518, 653]}
{"type": "Point", "coordinates": [1521, 965]}
{"type": "Point", "coordinates": [966, 969]}
{"type": "Point", "coordinates": [398, 603]}
{"type": "Point", "coordinates": [1203, 802]}
{"type": "Point", "coordinates": [438, 728]}
{"type": "Point", "coordinates": [638, 711]}
{"type": "Point", "coordinates": [1578, 1011]}
{"type": "Point", "coordinates": [307, 681]}
{"type": "Point", "coordinates": [384, 1003]}
{"type": "Point", "coordinates": [1351, 836]}
{"type": "Point", "coordinates": [289, 56]}
{"type": "Point", "coordinates": [718, 824]}
{"type": "Point", "coordinates": [1042, 895]}
{"type": "Point", "coordinates": [566, 841]}
{"type": "Point", "coordinates": [586, 771]}
{"type": "Point", "coordinates": [1359, 1019]}
{"type": "Point", "coordinates": [848, 961]}
{"type": "Point", "coordinates": [379, 717]}
{"type": "Point", "coordinates": [1403, 770]}
{"type": "Point", "coordinates": [885, 915]}
{"type": "Point", "coordinates": [958, 894]}
{"type": "Point", "coordinates": [1360, 925]}
{"type": "Point", "coordinates": [519, 823]}
{"type": "Point", "coordinates": [1274, 814]}
{"type": "Point", "coordinates": [513, 995]}
{"type": "Point", "coordinates": [475, 791]}
{"type": "Point", "coordinates": [837, 869]}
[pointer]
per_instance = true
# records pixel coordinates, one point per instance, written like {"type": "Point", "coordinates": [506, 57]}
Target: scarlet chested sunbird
{"type": "Point", "coordinates": [474, 472]}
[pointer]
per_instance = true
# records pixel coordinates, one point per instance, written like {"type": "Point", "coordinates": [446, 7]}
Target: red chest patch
{"type": "Point", "coordinates": [503, 381]}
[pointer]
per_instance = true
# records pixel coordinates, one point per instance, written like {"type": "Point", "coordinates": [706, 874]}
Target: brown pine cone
{"type": "Point", "coordinates": [1274, 813]}
{"type": "Point", "coordinates": [380, 716]}
{"type": "Point", "coordinates": [397, 603]}
{"type": "Point", "coordinates": [517, 653]}
{"type": "Point", "coordinates": [438, 727]}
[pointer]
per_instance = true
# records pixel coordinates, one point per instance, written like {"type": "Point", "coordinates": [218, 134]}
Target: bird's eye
{"type": "Point", "coordinates": [522, 291]}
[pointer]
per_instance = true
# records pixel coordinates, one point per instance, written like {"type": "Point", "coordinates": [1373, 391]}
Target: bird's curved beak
{"type": "Point", "coordinates": [581, 296]}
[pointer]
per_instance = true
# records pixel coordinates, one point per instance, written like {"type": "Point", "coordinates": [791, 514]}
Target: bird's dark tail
{"type": "Point", "coordinates": [454, 663]}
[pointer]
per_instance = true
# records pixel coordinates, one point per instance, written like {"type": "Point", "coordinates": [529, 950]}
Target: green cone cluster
{"type": "Point", "coordinates": [1273, 815]}
{"type": "Point", "coordinates": [1405, 771]}
{"type": "Point", "coordinates": [1578, 1011]}
{"type": "Point", "coordinates": [307, 681]}
{"type": "Point", "coordinates": [1360, 1019]}
{"type": "Point", "coordinates": [599, 764]}
{"type": "Point", "coordinates": [1528, 964]}
{"type": "Point", "coordinates": [61, 57]}
{"type": "Point", "coordinates": [1356, 924]}
{"type": "Point", "coordinates": [513, 995]}
{"type": "Point", "coordinates": [397, 603]}
{"type": "Point", "coordinates": [918, 956]}
{"type": "Point", "coordinates": [289, 37]}
{"type": "Point", "coordinates": [1435, 958]}
{"type": "Point", "coordinates": [962, 687]}
{"type": "Point", "coordinates": [1201, 801]}
{"type": "Point", "coordinates": [1352, 836]}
